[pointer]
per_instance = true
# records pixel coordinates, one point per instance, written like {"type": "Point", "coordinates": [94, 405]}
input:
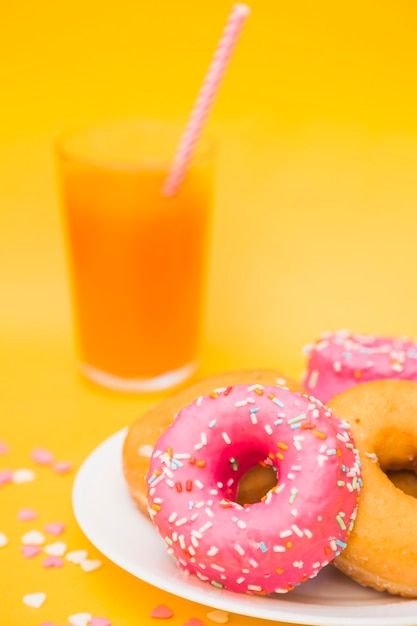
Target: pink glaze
{"type": "Point", "coordinates": [298, 527]}
{"type": "Point", "coordinates": [341, 359]}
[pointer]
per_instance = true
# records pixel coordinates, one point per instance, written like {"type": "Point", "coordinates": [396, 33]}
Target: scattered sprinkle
{"type": "Point", "coordinates": [194, 621]}
{"type": "Point", "coordinates": [220, 617]}
{"type": "Point", "coordinates": [23, 475]}
{"type": "Point", "coordinates": [62, 467]}
{"type": "Point", "coordinates": [99, 621]}
{"type": "Point", "coordinates": [34, 600]}
{"type": "Point", "coordinates": [56, 549]}
{"type": "Point", "coordinates": [80, 619]}
{"type": "Point", "coordinates": [88, 565]}
{"type": "Point", "coordinates": [41, 456]}
{"type": "Point", "coordinates": [33, 538]}
{"type": "Point", "coordinates": [52, 561]}
{"type": "Point", "coordinates": [56, 528]}
{"type": "Point", "coordinates": [30, 551]}
{"type": "Point", "coordinates": [6, 476]}
{"type": "Point", "coordinates": [76, 556]}
{"type": "Point", "coordinates": [25, 515]}
{"type": "Point", "coordinates": [161, 612]}
{"type": "Point", "coordinates": [3, 540]}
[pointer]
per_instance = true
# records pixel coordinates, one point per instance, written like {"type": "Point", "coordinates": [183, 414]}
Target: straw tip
{"type": "Point", "coordinates": [241, 9]}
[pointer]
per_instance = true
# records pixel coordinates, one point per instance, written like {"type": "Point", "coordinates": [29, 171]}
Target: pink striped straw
{"type": "Point", "coordinates": [205, 98]}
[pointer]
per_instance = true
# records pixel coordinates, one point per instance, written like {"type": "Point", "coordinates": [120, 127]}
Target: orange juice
{"type": "Point", "coordinates": [137, 259]}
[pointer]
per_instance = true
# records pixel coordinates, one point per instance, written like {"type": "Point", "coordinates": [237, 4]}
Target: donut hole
{"type": "Point", "coordinates": [245, 475]}
{"type": "Point", "coordinates": [256, 483]}
{"type": "Point", "coordinates": [397, 456]}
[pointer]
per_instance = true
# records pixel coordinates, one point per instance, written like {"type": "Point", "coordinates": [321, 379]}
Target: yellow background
{"type": "Point", "coordinates": [314, 222]}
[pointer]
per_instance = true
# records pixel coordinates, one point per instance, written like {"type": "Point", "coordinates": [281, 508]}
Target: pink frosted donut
{"type": "Point", "coordinates": [301, 524]}
{"type": "Point", "coordinates": [341, 359]}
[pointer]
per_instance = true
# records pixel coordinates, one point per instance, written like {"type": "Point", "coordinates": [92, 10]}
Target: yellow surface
{"type": "Point", "coordinates": [314, 224]}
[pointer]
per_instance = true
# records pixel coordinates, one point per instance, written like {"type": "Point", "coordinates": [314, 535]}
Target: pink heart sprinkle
{"type": "Point", "coordinates": [6, 476]}
{"type": "Point", "coordinates": [25, 515]}
{"type": "Point", "coordinates": [41, 456]}
{"type": "Point", "coordinates": [194, 621]}
{"type": "Point", "coordinates": [30, 551]}
{"type": "Point", "coordinates": [56, 528]}
{"type": "Point", "coordinates": [52, 561]}
{"type": "Point", "coordinates": [99, 621]}
{"type": "Point", "coordinates": [62, 467]}
{"type": "Point", "coordinates": [47, 624]}
{"type": "Point", "coordinates": [161, 612]}
{"type": "Point", "coordinates": [4, 448]}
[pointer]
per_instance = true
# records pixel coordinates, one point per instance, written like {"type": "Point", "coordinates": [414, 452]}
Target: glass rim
{"type": "Point", "coordinates": [65, 151]}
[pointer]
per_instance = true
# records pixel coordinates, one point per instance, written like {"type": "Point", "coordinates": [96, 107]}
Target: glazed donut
{"type": "Point", "coordinates": [382, 548]}
{"type": "Point", "coordinates": [144, 432]}
{"type": "Point", "coordinates": [341, 359]}
{"type": "Point", "coordinates": [301, 524]}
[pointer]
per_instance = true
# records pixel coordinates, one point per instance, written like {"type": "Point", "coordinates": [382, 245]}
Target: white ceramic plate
{"type": "Point", "coordinates": [110, 520]}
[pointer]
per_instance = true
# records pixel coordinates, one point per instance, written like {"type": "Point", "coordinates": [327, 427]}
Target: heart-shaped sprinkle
{"type": "Point", "coordinates": [3, 540]}
{"type": "Point", "coordinates": [52, 561]}
{"type": "Point", "coordinates": [56, 528]}
{"type": "Point", "coordinates": [89, 565]}
{"type": "Point", "coordinates": [23, 475]}
{"type": "Point", "coordinates": [62, 467]}
{"type": "Point", "coordinates": [6, 476]}
{"type": "Point", "coordinates": [4, 448]}
{"type": "Point", "coordinates": [25, 515]}
{"type": "Point", "coordinates": [76, 556]}
{"type": "Point", "coordinates": [56, 549]}
{"type": "Point", "coordinates": [194, 621]}
{"type": "Point", "coordinates": [220, 617]}
{"type": "Point", "coordinates": [80, 619]}
{"type": "Point", "coordinates": [30, 551]}
{"type": "Point", "coordinates": [41, 456]}
{"type": "Point", "coordinates": [99, 621]}
{"type": "Point", "coordinates": [33, 538]}
{"type": "Point", "coordinates": [35, 600]}
{"type": "Point", "coordinates": [161, 612]}
{"type": "Point", "coordinates": [47, 624]}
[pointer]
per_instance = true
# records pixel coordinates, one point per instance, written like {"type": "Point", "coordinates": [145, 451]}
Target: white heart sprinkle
{"type": "Point", "coordinates": [56, 549]}
{"type": "Point", "coordinates": [90, 565]}
{"type": "Point", "coordinates": [76, 556]}
{"type": "Point", "coordinates": [35, 600]}
{"type": "Point", "coordinates": [3, 540]}
{"type": "Point", "coordinates": [80, 619]}
{"type": "Point", "coordinates": [220, 617]}
{"type": "Point", "coordinates": [33, 538]}
{"type": "Point", "coordinates": [145, 450]}
{"type": "Point", "coordinates": [23, 476]}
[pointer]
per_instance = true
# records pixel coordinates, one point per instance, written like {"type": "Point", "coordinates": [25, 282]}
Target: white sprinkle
{"type": "Point", "coordinates": [182, 455]}
{"type": "Point", "coordinates": [240, 580]}
{"type": "Point", "coordinates": [226, 438]}
{"type": "Point", "coordinates": [56, 549]}
{"type": "Point", "coordinates": [256, 386]}
{"type": "Point", "coordinates": [308, 533]}
{"type": "Point", "coordinates": [296, 468]}
{"type": "Point", "coordinates": [209, 512]}
{"type": "Point", "coordinates": [33, 538]}
{"type": "Point", "coordinates": [23, 476]}
{"type": "Point", "coordinates": [181, 541]}
{"type": "Point", "coordinates": [337, 366]}
{"type": "Point", "coordinates": [213, 492]}
{"type": "Point", "coordinates": [268, 429]}
{"type": "Point", "coordinates": [241, 524]}
{"type": "Point", "coordinates": [297, 530]}
{"type": "Point", "coordinates": [253, 418]}
{"type": "Point", "coordinates": [279, 549]}
{"type": "Point", "coordinates": [196, 534]}
{"type": "Point", "coordinates": [198, 446]}
{"type": "Point", "coordinates": [89, 565]}
{"type": "Point", "coordinates": [218, 568]}
{"type": "Point", "coordinates": [316, 565]}
{"type": "Point", "coordinates": [167, 472]}
{"type": "Point", "coordinates": [294, 512]}
{"type": "Point", "coordinates": [205, 527]}
{"type": "Point", "coordinates": [298, 564]}
{"type": "Point", "coordinates": [241, 403]}
{"type": "Point", "coordinates": [34, 600]}
{"type": "Point", "coordinates": [199, 484]}
{"type": "Point", "coordinates": [204, 439]}
{"type": "Point", "coordinates": [191, 548]}
{"type": "Point", "coordinates": [291, 476]}
{"type": "Point", "coordinates": [239, 549]}
{"type": "Point", "coordinates": [3, 540]}
{"type": "Point", "coordinates": [254, 588]}
{"type": "Point", "coordinates": [199, 400]}
{"type": "Point", "coordinates": [212, 551]}
{"type": "Point", "coordinates": [172, 517]}
{"type": "Point", "coordinates": [181, 521]}
{"type": "Point", "coordinates": [285, 533]}
{"type": "Point", "coordinates": [253, 563]}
